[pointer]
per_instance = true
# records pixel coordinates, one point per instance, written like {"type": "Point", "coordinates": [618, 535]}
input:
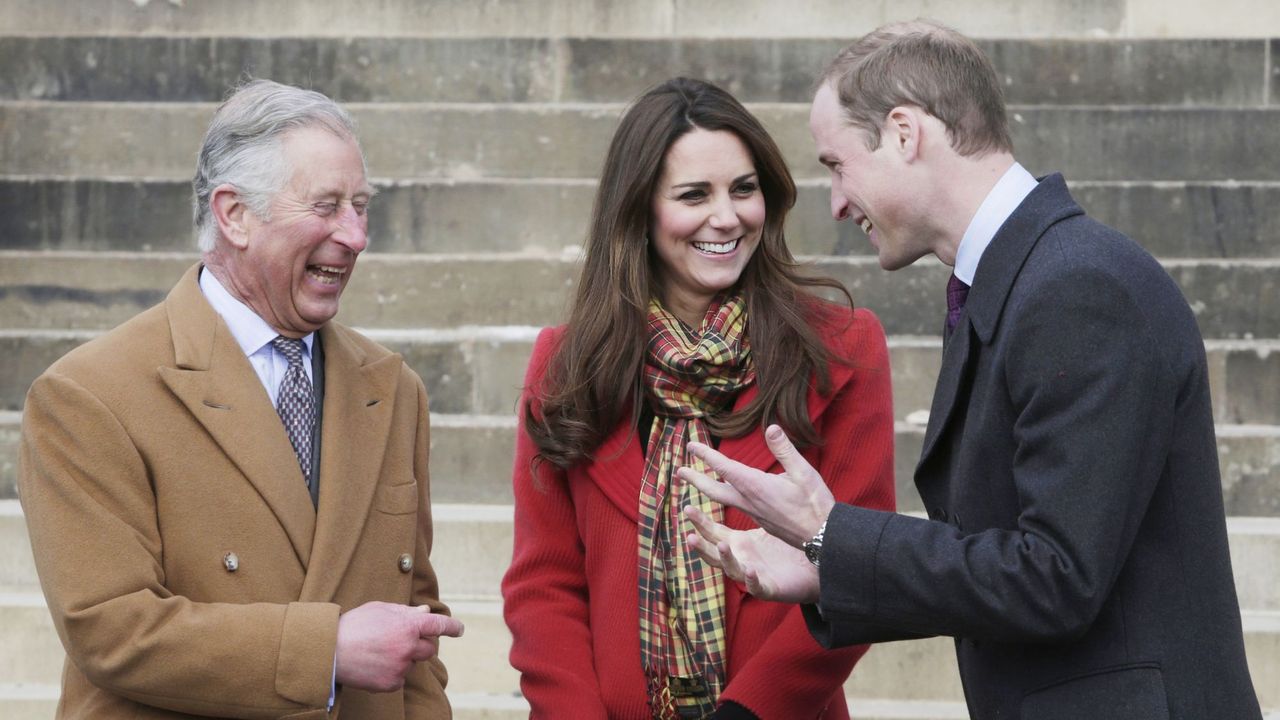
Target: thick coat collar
{"type": "Point", "coordinates": [1048, 204]}
{"type": "Point", "coordinates": [215, 381]}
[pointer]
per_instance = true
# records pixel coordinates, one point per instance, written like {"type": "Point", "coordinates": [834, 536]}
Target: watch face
{"type": "Point", "coordinates": [811, 551]}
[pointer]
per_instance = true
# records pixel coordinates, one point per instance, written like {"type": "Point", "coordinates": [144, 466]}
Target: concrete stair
{"type": "Point", "coordinates": [471, 537]}
{"type": "Point", "coordinates": [485, 125]}
{"type": "Point", "coordinates": [646, 18]}
{"type": "Point", "coordinates": [469, 140]}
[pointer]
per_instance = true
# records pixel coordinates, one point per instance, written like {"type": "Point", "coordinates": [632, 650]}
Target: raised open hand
{"type": "Point", "coordinates": [770, 568]}
{"type": "Point", "coordinates": [792, 505]}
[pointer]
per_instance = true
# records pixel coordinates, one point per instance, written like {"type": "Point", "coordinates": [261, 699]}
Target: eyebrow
{"type": "Point", "coordinates": [367, 192]}
{"type": "Point", "coordinates": [704, 183]}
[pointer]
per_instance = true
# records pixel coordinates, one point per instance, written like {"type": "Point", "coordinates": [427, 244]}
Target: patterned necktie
{"type": "Point", "coordinates": [295, 403]}
{"type": "Point", "coordinates": [957, 293]}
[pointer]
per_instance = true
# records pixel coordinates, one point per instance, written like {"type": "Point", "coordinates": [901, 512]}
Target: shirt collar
{"type": "Point", "coordinates": [250, 331]}
{"type": "Point", "coordinates": [1009, 192]}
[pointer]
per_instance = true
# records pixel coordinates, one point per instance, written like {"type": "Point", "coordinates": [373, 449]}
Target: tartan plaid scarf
{"type": "Point", "coordinates": [688, 375]}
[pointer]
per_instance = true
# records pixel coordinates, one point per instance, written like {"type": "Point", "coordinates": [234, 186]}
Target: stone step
{"type": "Point", "coordinates": [479, 673]}
{"type": "Point", "coordinates": [39, 703]}
{"type": "Point", "coordinates": [479, 370]}
{"type": "Point", "coordinates": [471, 462]}
{"type": "Point", "coordinates": [478, 663]}
{"type": "Point", "coordinates": [467, 141]}
{"type": "Point", "coordinates": [473, 549]}
{"type": "Point", "coordinates": [186, 68]}
{"type": "Point", "coordinates": [1171, 219]}
{"type": "Point", "coordinates": [95, 290]}
{"type": "Point", "coordinates": [651, 18]}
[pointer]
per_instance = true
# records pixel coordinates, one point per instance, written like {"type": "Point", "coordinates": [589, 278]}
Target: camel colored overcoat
{"type": "Point", "coordinates": [186, 569]}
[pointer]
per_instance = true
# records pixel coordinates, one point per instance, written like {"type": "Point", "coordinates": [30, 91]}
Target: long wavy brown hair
{"type": "Point", "coordinates": [594, 376]}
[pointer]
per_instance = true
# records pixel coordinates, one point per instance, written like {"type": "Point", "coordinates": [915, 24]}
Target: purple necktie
{"type": "Point", "coordinates": [957, 292]}
{"type": "Point", "coordinates": [296, 404]}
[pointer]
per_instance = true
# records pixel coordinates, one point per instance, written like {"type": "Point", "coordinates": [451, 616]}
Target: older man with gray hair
{"type": "Point", "coordinates": [227, 495]}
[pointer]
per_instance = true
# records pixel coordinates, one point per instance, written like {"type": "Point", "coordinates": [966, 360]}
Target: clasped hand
{"type": "Point", "coordinates": [379, 642]}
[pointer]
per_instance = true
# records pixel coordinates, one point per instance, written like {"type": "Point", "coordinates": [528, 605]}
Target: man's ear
{"type": "Point", "coordinates": [901, 131]}
{"type": "Point", "coordinates": [230, 212]}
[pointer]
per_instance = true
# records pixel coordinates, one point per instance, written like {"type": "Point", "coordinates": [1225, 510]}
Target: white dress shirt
{"type": "Point", "coordinates": [254, 335]}
{"type": "Point", "coordinates": [1010, 190]}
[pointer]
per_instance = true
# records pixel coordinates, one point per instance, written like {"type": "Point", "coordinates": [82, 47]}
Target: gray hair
{"type": "Point", "coordinates": [243, 146]}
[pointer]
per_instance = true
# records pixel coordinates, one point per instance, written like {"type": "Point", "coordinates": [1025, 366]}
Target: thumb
{"type": "Point", "coordinates": [796, 467]}
{"type": "Point", "coordinates": [434, 625]}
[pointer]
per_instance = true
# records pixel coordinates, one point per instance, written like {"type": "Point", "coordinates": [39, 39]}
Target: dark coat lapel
{"type": "Point", "coordinates": [358, 407]}
{"type": "Point", "coordinates": [217, 384]}
{"type": "Point", "coordinates": [1047, 204]}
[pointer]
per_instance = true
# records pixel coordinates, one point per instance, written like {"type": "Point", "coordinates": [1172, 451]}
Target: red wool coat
{"type": "Point", "coordinates": [571, 598]}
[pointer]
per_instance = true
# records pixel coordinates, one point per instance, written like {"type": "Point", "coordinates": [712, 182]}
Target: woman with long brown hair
{"type": "Point", "coordinates": [692, 321]}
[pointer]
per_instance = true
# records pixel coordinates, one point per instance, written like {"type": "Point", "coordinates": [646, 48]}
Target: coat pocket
{"type": "Point", "coordinates": [1129, 692]}
{"type": "Point", "coordinates": [396, 499]}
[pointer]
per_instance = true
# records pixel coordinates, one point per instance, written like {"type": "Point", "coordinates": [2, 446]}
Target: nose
{"type": "Point", "coordinates": [839, 204]}
{"type": "Point", "coordinates": [352, 230]}
{"type": "Point", "coordinates": [724, 215]}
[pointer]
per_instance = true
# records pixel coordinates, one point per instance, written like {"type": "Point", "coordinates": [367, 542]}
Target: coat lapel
{"type": "Point", "coordinates": [1047, 204]}
{"type": "Point", "coordinates": [616, 468]}
{"type": "Point", "coordinates": [217, 384]}
{"type": "Point", "coordinates": [955, 364]}
{"type": "Point", "coordinates": [358, 406]}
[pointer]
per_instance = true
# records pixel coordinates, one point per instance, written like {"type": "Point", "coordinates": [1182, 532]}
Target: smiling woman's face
{"type": "Point", "coordinates": [708, 214]}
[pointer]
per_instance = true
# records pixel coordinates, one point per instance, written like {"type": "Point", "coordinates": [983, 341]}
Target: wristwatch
{"type": "Point", "coordinates": [813, 548]}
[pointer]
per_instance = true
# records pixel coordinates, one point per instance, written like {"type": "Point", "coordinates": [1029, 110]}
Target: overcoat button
{"type": "Point", "coordinates": [406, 563]}
{"type": "Point", "coordinates": [231, 562]}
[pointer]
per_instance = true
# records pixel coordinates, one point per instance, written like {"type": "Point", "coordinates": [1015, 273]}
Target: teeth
{"type": "Point", "coordinates": [717, 248]}
{"type": "Point", "coordinates": [327, 273]}
{"type": "Point", "coordinates": [866, 225]}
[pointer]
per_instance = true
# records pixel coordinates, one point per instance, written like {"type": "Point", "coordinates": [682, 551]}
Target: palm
{"type": "Point", "coordinates": [780, 571]}
{"type": "Point", "coordinates": [770, 568]}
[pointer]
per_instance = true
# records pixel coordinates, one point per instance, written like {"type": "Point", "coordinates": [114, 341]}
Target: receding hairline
{"type": "Point", "coordinates": [876, 40]}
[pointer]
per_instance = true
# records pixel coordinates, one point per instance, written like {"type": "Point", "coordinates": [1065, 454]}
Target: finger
{"type": "Point", "coordinates": [796, 467]}
{"type": "Point", "coordinates": [723, 493]}
{"type": "Point", "coordinates": [705, 550]}
{"type": "Point", "coordinates": [432, 625]}
{"type": "Point", "coordinates": [731, 472]}
{"type": "Point", "coordinates": [424, 649]}
{"type": "Point", "coordinates": [713, 531]}
{"type": "Point", "coordinates": [755, 586]}
{"type": "Point", "coordinates": [729, 562]}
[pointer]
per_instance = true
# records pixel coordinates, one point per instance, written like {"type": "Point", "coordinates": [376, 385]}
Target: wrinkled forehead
{"type": "Point", "coordinates": [321, 159]}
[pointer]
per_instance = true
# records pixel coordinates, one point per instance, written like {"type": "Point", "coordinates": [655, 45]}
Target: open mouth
{"type": "Point", "coordinates": [717, 248]}
{"type": "Point", "coordinates": [326, 274]}
{"type": "Point", "coordinates": [866, 225]}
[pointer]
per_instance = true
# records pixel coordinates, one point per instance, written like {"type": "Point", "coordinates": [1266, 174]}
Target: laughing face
{"type": "Point", "coordinates": [873, 188]}
{"type": "Point", "coordinates": [293, 268]}
{"type": "Point", "coordinates": [708, 213]}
